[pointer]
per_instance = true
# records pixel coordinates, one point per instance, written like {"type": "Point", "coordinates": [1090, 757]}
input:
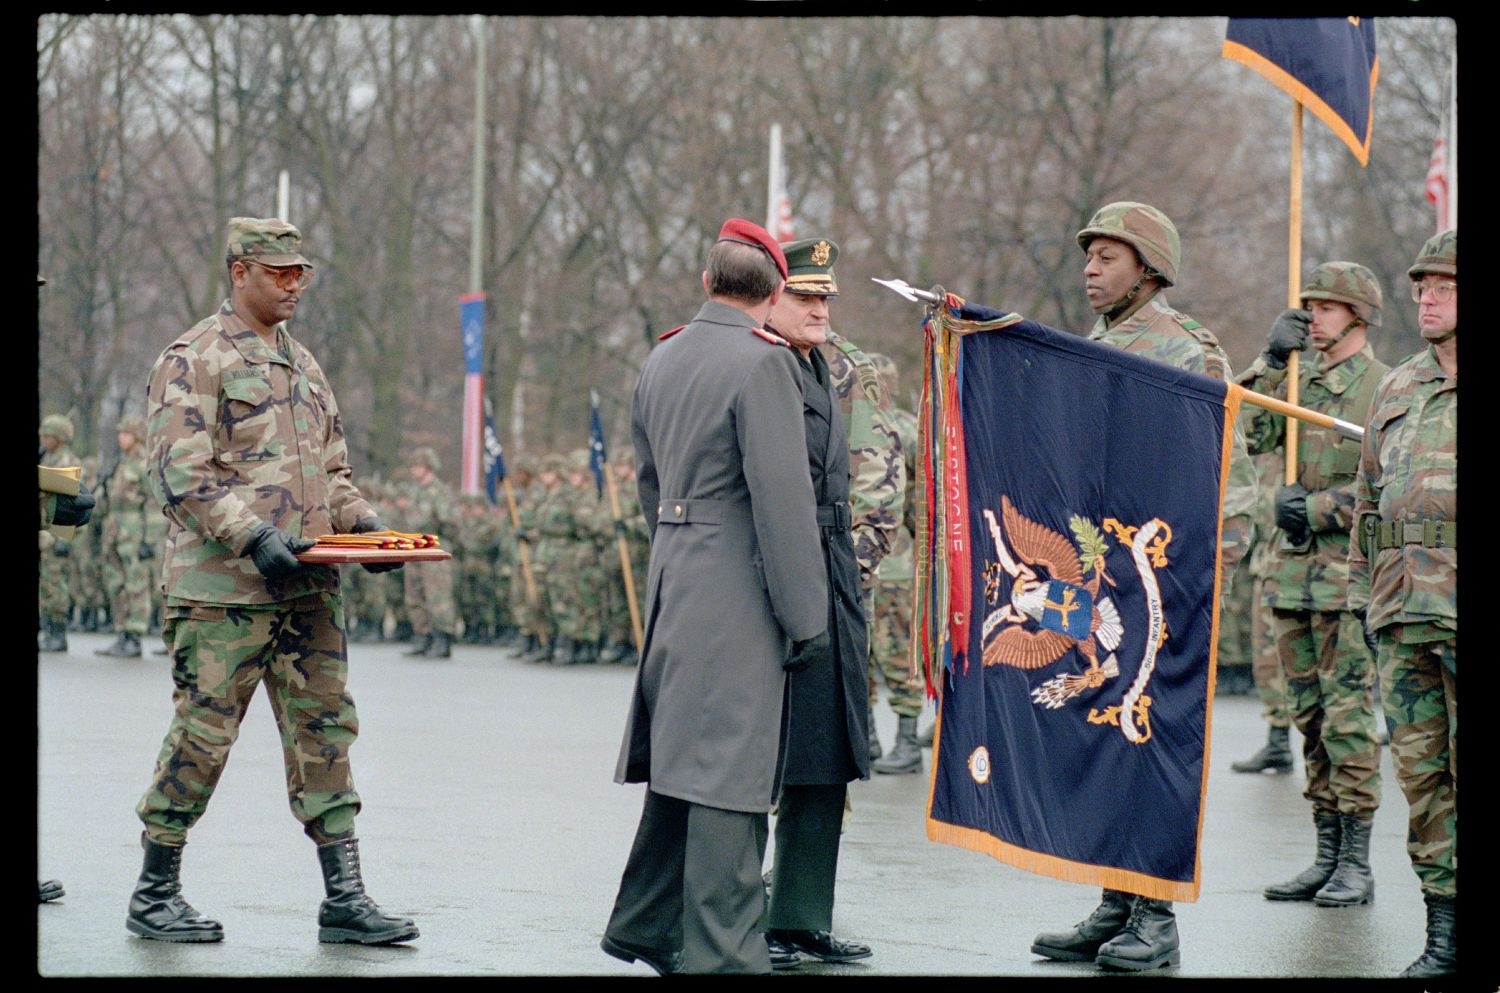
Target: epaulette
{"type": "Point", "coordinates": [665, 335]}
{"type": "Point", "coordinates": [768, 336]}
{"type": "Point", "coordinates": [197, 331]}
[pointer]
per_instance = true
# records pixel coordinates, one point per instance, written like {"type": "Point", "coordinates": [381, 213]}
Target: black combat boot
{"type": "Point", "coordinates": [1305, 885]}
{"type": "Point", "coordinates": [403, 631]}
{"type": "Point", "coordinates": [586, 652]}
{"type": "Point", "coordinates": [906, 756]}
{"type": "Point", "coordinates": [422, 646]}
{"type": "Point", "coordinates": [1274, 756]}
{"type": "Point", "coordinates": [48, 890]}
{"type": "Point", "coordinates": [1081, 944]}
{"type": "Point", "coordinates": [564, 653]}
{"type": "Point", "coordinates": [610, 652]}
{"type": "Point", "coordinates": [53, 637]}
{"type": "Point", "coordinates": [349, 916]}
{"type": "Point", "coordinates": [875, 747]}
{"type": "Point", "coordinates": [127, 646]}
{"type": "Point", "coordinates": [1149, 940]}
{"type": "Point", "coordinates": [1351, 883]}
{"type": "Point", "coordinates": [91, 619]}
{"type": "Point", "coordinates": [157, 909]}
{"type": "Point", "coordinates": [1440, 957]}
{"type": "Point", "coordinates": [442, 646]}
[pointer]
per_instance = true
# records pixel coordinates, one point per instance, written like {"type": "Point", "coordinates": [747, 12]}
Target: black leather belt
{"type": "Point", "coordinates": [834, 516]}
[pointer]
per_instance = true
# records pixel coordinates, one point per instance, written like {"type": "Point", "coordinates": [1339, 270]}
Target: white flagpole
{"type": "Point", "coordinates": [775, 180]}
{"type": "Point", "coordinates": [1453, 144]}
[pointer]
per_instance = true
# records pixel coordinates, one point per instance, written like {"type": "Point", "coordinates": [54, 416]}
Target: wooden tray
{"type": "Point", "coordinates": [335, 556]}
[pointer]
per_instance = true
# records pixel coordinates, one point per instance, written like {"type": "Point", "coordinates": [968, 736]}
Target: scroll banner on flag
{"type": "Point", "coordinates": [1074, 706]}
{"type": "Point", "coordinates": [1327, 64]}
{"type": "Point", "coordinates": [471, 321]}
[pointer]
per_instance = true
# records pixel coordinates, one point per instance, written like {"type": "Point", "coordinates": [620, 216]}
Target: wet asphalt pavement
{"type": "Point", "coordinates": [491, 818]}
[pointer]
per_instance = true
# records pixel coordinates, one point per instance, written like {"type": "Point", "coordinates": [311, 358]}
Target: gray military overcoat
{"type": "Point", "coordinates": [737, 569]}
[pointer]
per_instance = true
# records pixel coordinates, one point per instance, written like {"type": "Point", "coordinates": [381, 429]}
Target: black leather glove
{"type": "Point", "coordinates": [523, 535]}
{"type": "Point", "coordinates": [1288, 335]}
{"type": "Point", "coordinates": [807, 653]}
{"type": "Point", "coordinates": [146, 551]}
{"type": "Point", "coordinates": [72, 511]}
{"type": "Point", "coordinates": [274, 552]}
{"type": "Point", "coordinates": [61, 548]}
{"type": "Point", "coordinates": [1291, 509]}
{"type": "Point", "coordinates": [364, 526]}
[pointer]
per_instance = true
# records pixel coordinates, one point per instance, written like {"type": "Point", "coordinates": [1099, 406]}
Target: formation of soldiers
{"type": "Point", "coordinates": [547, 582]}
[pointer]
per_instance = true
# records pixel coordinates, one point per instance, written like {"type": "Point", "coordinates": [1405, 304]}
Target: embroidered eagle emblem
{"type": "Point", "coordinates": [1055, 604]}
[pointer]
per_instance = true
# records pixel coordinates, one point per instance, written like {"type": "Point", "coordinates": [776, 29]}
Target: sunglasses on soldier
{"type": "Point", "coordinates": [286, 277]}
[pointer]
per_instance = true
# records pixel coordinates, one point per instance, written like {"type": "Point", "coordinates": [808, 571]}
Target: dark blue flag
{"type": "Point", "coordinates": [1328, 64]}
{"type": "Point", "coordinates": [494, 455]}
{"type": "Point", "coordinates": [598, 458]}
{"type": "Point", "coordinates": [1073, 734]}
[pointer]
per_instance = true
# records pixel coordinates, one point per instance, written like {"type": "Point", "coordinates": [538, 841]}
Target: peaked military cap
{"type": "Point", "coordinates": [809, 266]}
{"type": "Point", "coordinates": [268, 240]}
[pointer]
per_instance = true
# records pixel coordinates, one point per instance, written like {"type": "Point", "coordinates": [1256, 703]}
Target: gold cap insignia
{"type": "Point", "coordinates": [820, 253]}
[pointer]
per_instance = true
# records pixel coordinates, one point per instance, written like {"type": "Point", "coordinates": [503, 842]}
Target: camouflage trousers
{"type": "Point", "coordinates": [535, 618]}
{"type": "Point", "coordinates": [429, 597]}
{"type": "Point", "coordinates": [1265, 663]}
{"type": "Point", "coordinates": [890, 642]}
{"type": "Point", "coordinates": [52, 599]}
{"type": "Point", "coordinates": [219, 656]}
{"type": "Point", "coordinates": [618, 628]}
{"type": "Point", "coordinates": [1330, 686]}
{"type": "Point", "coordinates": [1419, 680]}
{"type": "Point", "coordinates": [128, 579]}
{"type": "Point", "coordinates": [477, 596]}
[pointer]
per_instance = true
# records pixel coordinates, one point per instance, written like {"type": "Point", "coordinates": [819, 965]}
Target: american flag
{"type": "Point", "coordinates": [1437, 183]}
{"type": "Point", "coordinates": [471, 318]}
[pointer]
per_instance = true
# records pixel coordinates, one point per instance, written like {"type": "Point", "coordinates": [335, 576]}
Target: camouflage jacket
{"type": "Point", "coordinates": [1318, 577]}
{"type": "Point", "coordinates": [59, 457]}
{"type": "Point", "coordinates": [897, 566]}
{"type": "Point", "coordinates": [240, 433]}
{"type": "Point", "coordinates": [1155, 330]}
{"type": "Point", "coordinates": [1408, 471]}
{"type": "Point", "coordinates": [877, 468]}
{"type": "Point", "coordinates": [126, 505]}
{"type": "Point", "coordinates": [431, 511]}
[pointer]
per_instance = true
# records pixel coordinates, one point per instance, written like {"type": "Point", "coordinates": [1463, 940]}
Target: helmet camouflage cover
{"type": "Point", "coordinates": [1439, 255]}
{"type": "Point", "coordinates": [1144, 228]}
{"type": "Point", "coordinates": [135, 424]}
{"type": "Point", "coordinates": [58, 426]}
{"type": "Point", "coordinates": [1346, 282]}
{"type": "Point", "coordinates": [426, 456]}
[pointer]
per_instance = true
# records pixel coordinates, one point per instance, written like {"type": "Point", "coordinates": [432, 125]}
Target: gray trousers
{"type": "Point", "coordinates": [692, 881]}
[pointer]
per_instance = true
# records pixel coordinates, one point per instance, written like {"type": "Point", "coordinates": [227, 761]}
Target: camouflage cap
{"type": "Point", "coordinates": [426, 456]}
{"type": "Point", "coordinates": [552, 463]}
{"type": "Point", "coordinates": [135, 424]}
{"type": "Point", "coordinates": [58, 426]}
{"type": "Point", "coordinates": [1144, 228]}
{"type": "Point", "coordinates": [1346, 282]}
{"type": "Point", "coordinates": [269, 240]}
{"type": "Point", "coordinates": [578, 459]}
{"type": "Point", "coordinates": [1439, 255]}
{"type": "Point", "coordinates": [809, 267]}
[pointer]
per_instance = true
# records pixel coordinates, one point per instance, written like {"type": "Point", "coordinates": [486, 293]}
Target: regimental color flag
{"type": "Point", "coordinates": [1328, 64]}
{"type": "Point", "coordinates": [598, 457]}
{"type": "Point", "coordinates": [494, 455]}
{"type": "Point", "coordinates": [471, 320]}
{"type": "Point", "coordinates": [1068, 596]}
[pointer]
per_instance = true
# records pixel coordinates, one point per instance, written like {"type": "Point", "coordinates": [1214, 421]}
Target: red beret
{"type": "Point", "coordinates": [749, 233]}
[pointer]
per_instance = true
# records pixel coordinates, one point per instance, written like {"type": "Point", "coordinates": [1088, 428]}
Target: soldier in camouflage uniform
{"type": "Point", "coordinates": [1275, 756]}
{"type": "Point", "coordinates": [246, 455]}
{"type": "Point", "coordinates": [53, 600]}
{"type": "Point", "coordinates": [619, 639]}
{"type": "Point", "coordinates": [479, 548]}
{"type": "Point", "coordinates": [429, 591]}
{"type": "Point", "coordinates": [1330, 675]}
{"type": "Point", "coordinates": [1133, 252]}
{"type": "Point", "coordinates": [567, 554]}
{"type": "Point", "coordinates": [890, 640]}
{"type": "Point", "coordinates": [536, 514]}
{"type": "Point", "coordinates": [365, 595]}
{"type": "Point", "coordinates": [129, 554]}
{"type": "Point", "coordinates": [86, 575]}
{"type": "Point", "coordinates": [1403, 573]}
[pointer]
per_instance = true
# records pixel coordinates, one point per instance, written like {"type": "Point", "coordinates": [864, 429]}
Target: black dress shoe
{"type": "Point", "coordinates": [665, 963]}
{"type": "Point", "coordinates": [822, 945]}
{"type": "Point", "coordinates": [782, 957]}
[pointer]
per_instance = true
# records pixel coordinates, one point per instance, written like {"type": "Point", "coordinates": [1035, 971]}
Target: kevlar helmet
{"type": "Point", "coordinates": [1144, 228]}
{"type": "Point", "coordinates": [1439, 255]}
{"type": "Point", "coordinates": [1349, 283]}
